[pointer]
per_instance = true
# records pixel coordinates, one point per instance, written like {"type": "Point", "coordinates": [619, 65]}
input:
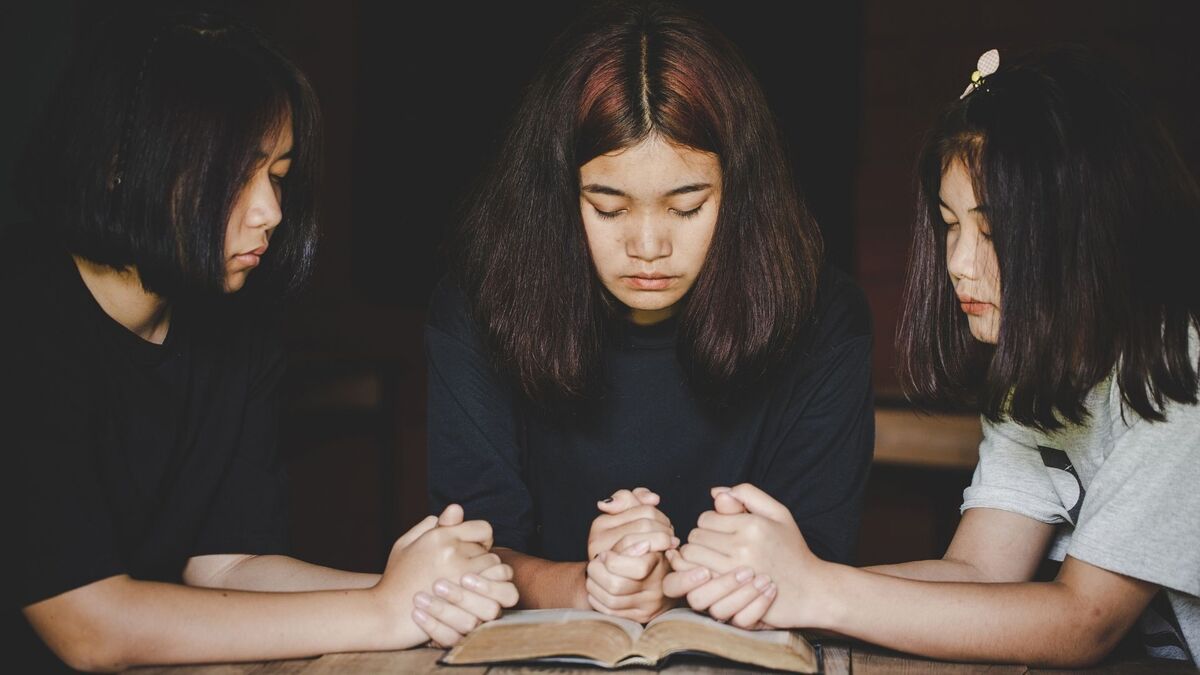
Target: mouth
{"type": "Point", "coordinates": [250, 259]}
{"type": "Point", "coordinates": [972, 306]}
{"type": "Point", "coordinates": [652, 281]}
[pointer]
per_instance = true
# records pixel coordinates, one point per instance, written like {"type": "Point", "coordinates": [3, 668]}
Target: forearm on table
{"type": "Point", "coordinates": [545, 584]}
{"type": "Point", "coordinates": [946, 569]}
{"type": "Point", "coordinates": [270, 573]}
{"type": "Point", "coordinates": [120, 622]}
{"type": "Point", "coordinates": [1033, 623]}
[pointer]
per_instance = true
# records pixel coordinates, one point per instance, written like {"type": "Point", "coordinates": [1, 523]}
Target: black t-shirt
{"type": "Point", "coordinates": [123, 456]}
{"type": "Point", "coordinates": [805, 437]}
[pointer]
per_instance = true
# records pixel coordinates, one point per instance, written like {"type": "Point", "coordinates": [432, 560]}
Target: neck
{"type": "Point", "coordinates": [120, 294]}
{"type": "Point", "coordinates": [649, 317]}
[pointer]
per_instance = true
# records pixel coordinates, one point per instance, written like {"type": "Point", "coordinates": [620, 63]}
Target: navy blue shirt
{"type": "Point", "coordinates": [805, 436]}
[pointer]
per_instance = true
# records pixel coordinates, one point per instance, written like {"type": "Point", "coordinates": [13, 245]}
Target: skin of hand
{"type": "Point", "coordinates": [759, 536]}
{"type": "Point", "coordinates": [626, 548]}
{"type": "Point", "coordinates": [738, 595]}
{"type": "Point", "coordinates": [417, 582]}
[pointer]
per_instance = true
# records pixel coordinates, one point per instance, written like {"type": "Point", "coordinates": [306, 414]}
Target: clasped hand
{"type": "Point", "coordinates": [626, 547]}
{"type": "Point", "coordinates": [442, 580]}
{"type": "Point", "coordinates": [743, 556]}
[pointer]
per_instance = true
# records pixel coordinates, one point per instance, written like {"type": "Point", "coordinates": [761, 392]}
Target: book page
{"type": "Point", "coordinates": [519, 635]}
{"type": "Point", "coordinates": [683, 630]}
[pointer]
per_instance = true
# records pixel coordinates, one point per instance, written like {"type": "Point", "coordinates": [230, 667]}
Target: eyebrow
{"type": "Point", "coordinates": [681, 190]}
{"type": "Point", "coordinates": [981, 208]}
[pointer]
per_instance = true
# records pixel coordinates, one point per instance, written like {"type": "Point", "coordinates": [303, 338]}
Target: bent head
{"type": "Point", "coordinates": [179, 145]}
{"type": "Point", "coordinates": [1056, 228]}
{"type": "Point", "coordinates": [649, 212]}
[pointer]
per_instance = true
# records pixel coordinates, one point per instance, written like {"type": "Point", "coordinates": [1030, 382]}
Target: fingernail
{"type": "Point", "coordinates": [762, 582]}
{"type": "Point", "coordinates": [422, 600]}
{"type": "Point", "coordinates": [771, 591]}
{"type": "Point", "coordinates": [606, 500]}
{"type": "Point", "coordinates": [675, 542]}
{"type": "Point", "coordinates": [640, 548]}
{"type": "Point", "coordinates": [472, 581]}
{"type": "Point", "coordinates": [700, 574]}
{"type": "Point", "coordinates": [743, 575]}
{"type": "Point", "coordinates": [441, 588]}
{"type": "Point", "coordinates": [421, 616]}
{"type": "Point", "coordinates": [602, 555]}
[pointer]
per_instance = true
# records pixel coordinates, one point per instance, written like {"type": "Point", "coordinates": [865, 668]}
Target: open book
{"type": "Point", "coordinates": [598, 639]}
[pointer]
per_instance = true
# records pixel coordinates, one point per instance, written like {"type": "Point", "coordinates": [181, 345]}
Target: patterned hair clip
{"type": "Point", "coordinates": [987, 65]}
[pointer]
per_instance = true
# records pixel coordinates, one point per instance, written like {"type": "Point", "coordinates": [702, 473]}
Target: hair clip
{"type": "Point", "coordinates": [987, 65]}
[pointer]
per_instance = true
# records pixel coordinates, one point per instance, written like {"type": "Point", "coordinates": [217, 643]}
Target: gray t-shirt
{"type": "Point", "coordinates": [1125, 494]}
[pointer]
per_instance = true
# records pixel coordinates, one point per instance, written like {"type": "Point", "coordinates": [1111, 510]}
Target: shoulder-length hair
{"type": "Point", "coordinates": [617, 76]}
{"type": "Point", "coordinates": [151, 136]}
{"type": "Point", "coordinates": [1094, 219]}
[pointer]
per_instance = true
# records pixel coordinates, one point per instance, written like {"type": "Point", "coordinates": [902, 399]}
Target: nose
{"type": "Point", "coordinates": [649, 238]}
{"type": "Point", "coordinates": [961, 254]}
{"type": "Point", "coordinates": [263, 209]}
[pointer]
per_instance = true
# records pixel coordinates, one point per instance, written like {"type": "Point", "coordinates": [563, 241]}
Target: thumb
{"type": "Point", "coordinates": [620, 500]}
{"type": "Point", "coordinates": [726, 504]}
{"type": "Point", "coordinates": [415, 532]}
{"type": "Point", "coordinates": [452, 515]}
{"type": "Point", "coordinates": [758, 502]}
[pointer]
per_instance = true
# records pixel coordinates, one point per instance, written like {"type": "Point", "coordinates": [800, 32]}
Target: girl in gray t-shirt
{"type": "Point", "coordinates": [1052, 283]}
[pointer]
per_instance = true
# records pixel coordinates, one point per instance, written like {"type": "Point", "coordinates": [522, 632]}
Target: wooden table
{"type": "Point", "coordinates": [840, 659]}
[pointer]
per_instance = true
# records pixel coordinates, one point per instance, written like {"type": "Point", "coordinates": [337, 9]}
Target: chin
{"type": "Point", "coordinates": [654, 303]}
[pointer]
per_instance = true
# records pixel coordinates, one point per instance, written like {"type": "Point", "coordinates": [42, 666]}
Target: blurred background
{"type": "Point", "coordinates": [416, 96]}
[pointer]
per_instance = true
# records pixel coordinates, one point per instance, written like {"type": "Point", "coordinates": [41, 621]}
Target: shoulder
{"type": "Point", "coordinates": [840, 314]}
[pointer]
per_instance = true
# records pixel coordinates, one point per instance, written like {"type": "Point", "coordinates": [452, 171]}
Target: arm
{"type": "Point", "coordinates": [1073, 621]}
{"type": "Point", "coordinates": [269, 573]}
{"type": "Point", "coordinates": [989, 545]}
{"type": "Point", "coordinates": [545, 583]}
{"type": "Point", "coordinates": [118, 622]}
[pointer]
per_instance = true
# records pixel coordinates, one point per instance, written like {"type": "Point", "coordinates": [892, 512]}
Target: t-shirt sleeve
{"type": "Point", "coordinates": [474, 455]}
{"type": "Point", "coordinates": [1141, 515]}
{"type": "Point", "coordinates": [249, 511]}
{"type": "Point", "coordinates": [1011, 477]}
{"type": "Point", "coordinates": [818, 468]}
{"type": "Point", "coordinates": [61, 530]}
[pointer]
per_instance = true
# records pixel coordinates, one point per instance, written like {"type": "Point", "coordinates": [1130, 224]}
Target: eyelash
{"type": "Point", "coordinates": [682, 214]}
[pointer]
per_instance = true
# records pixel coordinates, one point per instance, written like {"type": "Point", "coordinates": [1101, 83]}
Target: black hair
{"type": "Point", "coordinates": [619, 74]}
{"type": "Point", "coordinates": [1094, 218]}
{"type": "Point", "coordinates": [151, 136]}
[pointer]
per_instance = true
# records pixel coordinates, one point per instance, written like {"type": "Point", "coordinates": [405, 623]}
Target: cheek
{"type": "Point", "coordinates": [604, 244]}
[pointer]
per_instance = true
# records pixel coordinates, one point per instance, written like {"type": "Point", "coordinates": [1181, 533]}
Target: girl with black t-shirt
{"type": "Point", "coordinates": [638, 300]}
{"type": "Point", "coordinates": [175, 168]}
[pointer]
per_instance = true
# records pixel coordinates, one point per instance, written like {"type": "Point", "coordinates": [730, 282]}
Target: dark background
{"type": "Point", "coordinates": [416, 97]}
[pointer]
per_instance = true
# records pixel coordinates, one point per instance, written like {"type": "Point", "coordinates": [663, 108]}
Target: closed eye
{"type": "Point", "coordinates": [689, 213]}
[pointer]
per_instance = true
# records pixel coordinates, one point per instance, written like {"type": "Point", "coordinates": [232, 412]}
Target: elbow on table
{"type": "Point", "coordinates": [95, 653]}
{"type": "Point", "coordinates": [1089, 645]}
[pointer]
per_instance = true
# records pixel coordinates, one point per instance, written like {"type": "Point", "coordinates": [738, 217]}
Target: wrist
{"type": "Point", "coordinates": [392, 614]}
{"type": "Point", "coordinates": [826, 607]}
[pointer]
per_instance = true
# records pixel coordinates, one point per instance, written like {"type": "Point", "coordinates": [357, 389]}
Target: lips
{"type": "Point", "coordinates": [654, 281]}
{"type": "Point", "coordinates": [971, 306]}
{"type": "Point", "coordinates": [250, 259]}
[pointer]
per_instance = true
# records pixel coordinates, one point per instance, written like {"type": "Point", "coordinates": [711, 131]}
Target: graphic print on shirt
{"type": "Point", "coordinates": [1065, 479]}
{"type": "Point", "coordinates": [1162, 637]}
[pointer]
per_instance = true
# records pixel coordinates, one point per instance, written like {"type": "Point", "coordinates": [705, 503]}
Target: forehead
{"type": "Point", "coordinates": [957, 191]}
{"type": "Point", "coordinates": [652, 166]}
{"type": "Point", "coordinates": [278, 141]}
